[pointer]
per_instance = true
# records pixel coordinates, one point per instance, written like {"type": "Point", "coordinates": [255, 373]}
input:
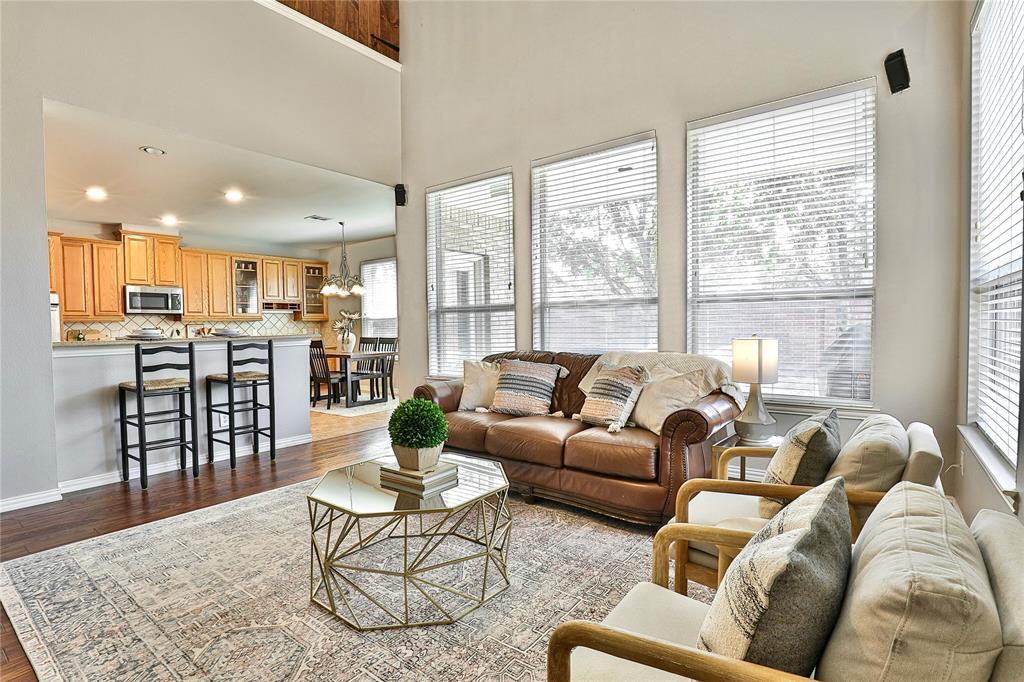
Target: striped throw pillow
{"type": "Point", "coordinates": [525, 388]}
{"type": "Point", "coordinates": [612, 397]}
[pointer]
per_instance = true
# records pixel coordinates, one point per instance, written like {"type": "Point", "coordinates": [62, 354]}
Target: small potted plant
{"type": "Point", "coordinates": [343, 328]}
{"type": "Point", "coordinates": [418, 430]}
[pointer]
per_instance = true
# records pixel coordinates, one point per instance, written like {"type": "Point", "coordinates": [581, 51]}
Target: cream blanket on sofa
{"type": "Point", "coordinates": [704, 374]}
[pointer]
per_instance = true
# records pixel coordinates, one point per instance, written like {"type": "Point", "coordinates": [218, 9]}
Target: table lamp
{"type": "Point", "coordinates": [755, 361]}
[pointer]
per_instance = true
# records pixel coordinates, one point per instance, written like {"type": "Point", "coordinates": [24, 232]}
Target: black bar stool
{"type": "Point", "coordinates": [251, 380]}
{"type": "Point", "coordinates": [143, 388]}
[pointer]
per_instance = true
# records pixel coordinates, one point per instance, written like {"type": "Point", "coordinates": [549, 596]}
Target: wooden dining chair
{"type": "Point", "coordinates": [320, 373]}
{"type": "Point", "coordinates": [388, 344]}
{"type": "Point", "coordinates": [367, 370]}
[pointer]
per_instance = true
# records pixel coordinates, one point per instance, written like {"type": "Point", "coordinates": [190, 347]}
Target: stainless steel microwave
{"type": "Point", "coordinates": [153, 300]}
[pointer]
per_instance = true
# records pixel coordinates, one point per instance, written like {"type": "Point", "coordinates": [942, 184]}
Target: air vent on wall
{"type": "Point", "coordinates": [315, 217]}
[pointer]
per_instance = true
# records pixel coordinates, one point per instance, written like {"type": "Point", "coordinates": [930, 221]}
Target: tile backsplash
{"type": "Point", "coordinates": [272, 324]}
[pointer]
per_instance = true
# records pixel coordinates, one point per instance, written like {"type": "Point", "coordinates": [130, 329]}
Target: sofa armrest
{"type": "Point", "coordinates": [444, 394]}
{"type": "Point", "coordinates": [684, 452]}
{"type": "Point", "coordinates": [678, 659]}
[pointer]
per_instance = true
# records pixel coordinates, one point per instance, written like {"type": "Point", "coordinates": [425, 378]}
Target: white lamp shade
{"type": "Point", "coordinates": [755, 360]}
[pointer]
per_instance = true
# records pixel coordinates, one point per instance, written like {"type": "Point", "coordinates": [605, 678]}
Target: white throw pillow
{"type": "Point", "coordinates": [479, 381]}
{"type": "Point", "coordinates": [667, 392]}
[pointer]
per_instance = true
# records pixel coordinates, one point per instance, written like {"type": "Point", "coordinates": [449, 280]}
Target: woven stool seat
{"type": "Point", "coordinates": [156, 384]}
{"type": "Point", "coordinates": [239, 376]}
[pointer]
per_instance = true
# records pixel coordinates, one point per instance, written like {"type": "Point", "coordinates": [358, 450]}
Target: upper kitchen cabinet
{"type": "Point", "coordinates": [194, 284]}
{"type": "Point", "coordinates": [218, 289]}
{"type": "Point", "coordinates": [53, 254]}
{"type": "Point", "coordinates": [246, 291]}
{"type": "Point", "coordinates": [92, 279]}
{"type": "Point", "coordinates": [151, 259]}
{"type": "Point", "coordinates": [292, 281]}
{"type": "Point", "coordinates": [282, 283]}
{"type": "Point", "coordinates": [273, 285]}
{"type": "Point", "coordinates": [373, 23]}
{"type": "Point", "coordinates": [314, 306]}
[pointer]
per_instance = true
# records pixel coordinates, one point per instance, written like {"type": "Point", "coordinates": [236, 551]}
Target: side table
{"type": "Point", "coordinates": [731, 442]}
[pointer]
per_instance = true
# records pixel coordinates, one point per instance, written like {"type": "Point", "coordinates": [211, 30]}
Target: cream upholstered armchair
{"type": "Point", "coordinates": [926, 598]}
{"type": "Point", "coordinates": [879, 454]}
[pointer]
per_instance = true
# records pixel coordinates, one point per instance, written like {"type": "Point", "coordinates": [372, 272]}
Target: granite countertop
{"type": "Point", "coordinates": [173, 340]}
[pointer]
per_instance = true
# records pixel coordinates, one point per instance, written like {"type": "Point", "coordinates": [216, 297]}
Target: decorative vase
{"type": "Point", "coordinates": [417, 459]}
{"type": "Point", "coordinates": [348, 342]}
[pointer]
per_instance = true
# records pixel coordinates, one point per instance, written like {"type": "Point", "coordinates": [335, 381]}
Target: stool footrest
{"type": "Point", "coordinates": [129, 421]}
{"type": "Point", "coordinates": [162, 443]}
{"type": "Point", "coordinates": [216, 407]}
{"type": "Point", "coordinates": [264, 431]}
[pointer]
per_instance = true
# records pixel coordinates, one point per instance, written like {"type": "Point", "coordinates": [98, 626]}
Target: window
{"type": "Point", "coordinates": [470, 298]}
{"type": "Point", "coordinates": [380, 300]}
{"type": "Point", "coordinates": [780, 210]}
{"type": "Point", "coordinates": [595, 244]}
{"type": "Point", "coordinates": [997, 159]}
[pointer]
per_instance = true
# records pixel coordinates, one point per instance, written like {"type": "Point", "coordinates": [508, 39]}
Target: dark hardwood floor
{"type": "Point", "coordinates": [89, 513]}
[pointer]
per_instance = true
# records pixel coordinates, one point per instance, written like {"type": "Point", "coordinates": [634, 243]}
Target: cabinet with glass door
{"type": "Point", "coordinates": [314, 307]}
{"type": "Point", "coordinates": [246, 292]}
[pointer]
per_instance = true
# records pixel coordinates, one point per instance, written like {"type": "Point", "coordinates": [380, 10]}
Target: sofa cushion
{"type": "Point", "coordinates": [726, 510]}
{"type": "Point", "coordinates": [779, 599]}
{"type": "Point", "coordinates": [468, 430]}
{"type": "Point", "coordinates": [532, 439]}
{"type": "Point", "coordinates": [875, 455]}
{"type": "Point", "coordinates": [918, 604]}
{"type": "Point", "coordinates": [479, 381]}
{"type": "Point", "coordinates": [650, 610]}
{"type": "Point", "coordinates": [612, 397]}
{"type": "Point", "coordinates": [630, 453]}
{"type": "Point", "coordinates": [1000, 538]}
{"type": "Point", "coordinates": [804, 458]}
{"type": "Point", "coordinates": [525, 388]}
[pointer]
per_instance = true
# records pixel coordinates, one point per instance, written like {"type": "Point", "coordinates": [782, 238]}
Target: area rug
{"type": "Point", "coordinates": [222, 593]}
{"type": "Point", "coordinates": [342, 411]}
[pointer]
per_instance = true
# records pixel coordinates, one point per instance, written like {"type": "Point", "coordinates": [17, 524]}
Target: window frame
{"type": "Point", "coordinates": [538, 285]}
{"type": "Point", "coordinates": [850, 406]}
{"type": "Point", "coordinates": [434, 326]}
{"type": "Point", "coordinates": [363, 316]}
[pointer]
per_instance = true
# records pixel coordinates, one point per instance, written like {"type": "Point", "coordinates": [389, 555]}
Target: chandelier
{"type": "Point", "coordinates": [343, 283]}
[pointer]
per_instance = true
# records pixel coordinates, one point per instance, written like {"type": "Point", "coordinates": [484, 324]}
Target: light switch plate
{"type": "Point", "coordinates": [223, 419]}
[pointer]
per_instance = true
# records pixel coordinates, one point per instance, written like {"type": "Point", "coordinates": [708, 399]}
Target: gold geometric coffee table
{"type": "Point", "coordinates": [383, 559]}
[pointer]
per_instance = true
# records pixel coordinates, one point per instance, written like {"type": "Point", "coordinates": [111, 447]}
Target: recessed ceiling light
{"type": "Point", "coordinates": [155, 151]}
{"type": "Point", "coordinates": [234, 195]}
{"type": "Point", "coordinates": [96, 193]}
{"type": "Point", "coordinates": [169, 219]}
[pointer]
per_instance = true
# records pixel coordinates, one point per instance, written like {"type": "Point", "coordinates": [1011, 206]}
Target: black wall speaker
{"type": "Point", "coordinates": [897, 72]}
{"type": "Point", "coordinates": [400, 195]}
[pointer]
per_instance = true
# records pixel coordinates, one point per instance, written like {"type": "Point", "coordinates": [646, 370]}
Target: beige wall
{"type": "Point", "coordinates": [233, 72]}
{"type": "Point", "coordinates": [358, 252]}
{"type": "Point", "coordinates": [488, 85]}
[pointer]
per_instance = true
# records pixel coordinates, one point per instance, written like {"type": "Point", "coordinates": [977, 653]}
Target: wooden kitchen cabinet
{"type": "Point", "coordinates": [273, 280]}
{"type": "Point", "coordinates": [292, 281]}
{"type": "Point", "coordinates": [54, 256]}
{"type": "Point", "coordinates": [314, 306]}
{"type": "Point", "coordinates": [151, 259]}
{"type": "Point", "coordinates": [92, 279]}
{"type": "Point", "coordinates": [194, 284]}
{"type": "Point", "coordinates": [218, 290]}
{"type": "Point", "coordinates": [166, 261]}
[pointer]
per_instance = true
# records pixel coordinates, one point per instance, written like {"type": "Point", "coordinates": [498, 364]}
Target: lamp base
{"type": "Point", "coordinates": [755, 426]}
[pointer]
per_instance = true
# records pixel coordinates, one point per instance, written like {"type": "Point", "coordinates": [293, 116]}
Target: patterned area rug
{"type": "Point", "coordinates": [339, 410]}
{"type": "Point", "coordinates": [223, 594]}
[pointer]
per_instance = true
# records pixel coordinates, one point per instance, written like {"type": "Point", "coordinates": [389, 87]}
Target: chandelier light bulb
{"type": "Point", "coordinates": [358, 289]}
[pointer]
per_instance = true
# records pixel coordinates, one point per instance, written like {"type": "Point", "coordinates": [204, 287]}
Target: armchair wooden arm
{"type": "Point", "coordinates": [674, 533]}
{"type": "Point", "coordinates": [656, 653]}
{"type": "Point", "coordinates": [730, 454]}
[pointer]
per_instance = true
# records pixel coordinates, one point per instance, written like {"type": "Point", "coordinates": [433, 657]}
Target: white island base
{"type": "Point", "coordinates": [86, 376]}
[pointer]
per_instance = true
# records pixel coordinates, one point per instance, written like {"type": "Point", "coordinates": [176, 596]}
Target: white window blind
{"type": "Point", "coordinates": [997, 160]}
{"type": "Point", "coordinates": [470, 298]}
{"type": "Point", "coordinates": [595, 243]}
{"type": "Point", "coordinates": [780, 204]}
{"type": "Point", "coordinates": [380, 300]}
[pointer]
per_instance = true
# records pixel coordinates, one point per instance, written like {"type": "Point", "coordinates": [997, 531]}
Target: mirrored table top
{"type": "Point", "coordinates": [357, 489]}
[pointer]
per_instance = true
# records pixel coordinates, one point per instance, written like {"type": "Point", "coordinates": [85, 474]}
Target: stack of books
{"type": "Point", "coordinates": [422, 483]}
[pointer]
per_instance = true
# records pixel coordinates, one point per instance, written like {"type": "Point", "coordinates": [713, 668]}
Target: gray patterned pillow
{"type": "Point", "coordinates": [525, 388]}
{"type": "Point", "coordinates": [612, 397]}
{"type": "Point", "coordinates": [781, 597]}
{"type": "Point", "coordinates": [804, 458]}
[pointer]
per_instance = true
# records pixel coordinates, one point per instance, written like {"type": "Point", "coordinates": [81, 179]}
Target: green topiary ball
{"type": "Point", "coordinates": [418, 423]}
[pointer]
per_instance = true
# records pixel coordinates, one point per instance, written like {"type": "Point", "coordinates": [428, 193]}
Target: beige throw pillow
{"type": "Point", "coordinates": [804, 458]}
{"type": "Point", "coordinates": [875, 455]}
{"type": "Point", "coordinates": [479, 381]}
{"type": "Point", "coordinates": [667, 392]}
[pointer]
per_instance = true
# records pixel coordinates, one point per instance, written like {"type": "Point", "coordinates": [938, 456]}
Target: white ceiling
{"type": "Point", "coordinates": [85, 148]}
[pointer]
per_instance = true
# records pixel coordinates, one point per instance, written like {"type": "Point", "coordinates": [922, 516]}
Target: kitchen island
{"type": "Point", "coordinates": [86, 375]}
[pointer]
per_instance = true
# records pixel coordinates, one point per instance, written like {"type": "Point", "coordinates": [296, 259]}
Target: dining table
{"type": "Point", "coordinates": [351, 375]}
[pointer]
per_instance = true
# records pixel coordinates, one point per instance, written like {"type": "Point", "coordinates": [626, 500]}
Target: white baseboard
{"type": "Point", "coordinates": [30, 500]}
{"type": "Point", "coordinates": [160, 467]}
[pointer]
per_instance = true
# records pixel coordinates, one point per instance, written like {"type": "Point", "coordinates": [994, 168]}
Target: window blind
{"type": "Point", "coordinates": [997, 228]}
{"type": "Point", "coordinates": [380, 300]}
{"type": "Point", "coordinates": [780, 206]}
{"type": "Point", "coordinates": [470, 298]}
{"type": "Point", "coordinates": [595, 243]}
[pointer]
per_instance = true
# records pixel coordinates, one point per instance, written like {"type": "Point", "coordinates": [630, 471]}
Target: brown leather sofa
{"type": "Point", "coordinates": [633, 474]}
